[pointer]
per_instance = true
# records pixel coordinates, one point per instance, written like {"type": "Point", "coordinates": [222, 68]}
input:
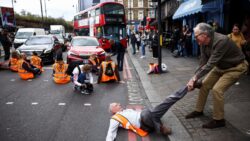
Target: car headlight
{"type": "Point", "coordinates": [47, 51]}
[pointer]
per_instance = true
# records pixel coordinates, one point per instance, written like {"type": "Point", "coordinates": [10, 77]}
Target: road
{"type": "Point", "coordinates": [40, 110]}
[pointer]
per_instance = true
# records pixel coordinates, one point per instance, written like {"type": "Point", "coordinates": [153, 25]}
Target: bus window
{"type": "Point", "coordinates": [115, 32]}
{"type": "Point", "coordinates": [97, 11]}
{"type": "Point", "coordinates": [83, 32]}
{"type": "Point", "coordinates": [84, 15]}
{"type": "Point", "coordinates": [113, 9]}
{"type": "Point", "coordinates": [92, 13]}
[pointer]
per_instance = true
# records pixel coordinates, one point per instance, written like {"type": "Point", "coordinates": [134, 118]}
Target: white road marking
{"type": "Point", "coordinates": [12, 80]}
{"type": "Point", "coordinates": [34, 103]}
{"type": "Point", "coordinates": [237, 83]}
{"type": "Point", "coordinates": [61, 104]}
{"type": "Point", "coordinates": [10, 103]}
{"type": "Point", "coordinates": [47, 68]}
{"type": "Point", "coordinates": [87, 104]}
{"type": "Point", "coordinates": [29, 80]}
{"type": "Point", "coordinates": [45, 80]}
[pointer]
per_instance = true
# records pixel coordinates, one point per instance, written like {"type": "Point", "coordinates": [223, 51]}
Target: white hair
{"type": "Point", "coordinates": [204, 28]}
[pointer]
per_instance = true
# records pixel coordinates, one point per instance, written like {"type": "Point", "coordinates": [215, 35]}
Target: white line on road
{"type": "Point", "coordinates": [87, 104]}
{"type": "Point", "coordinates": [45, 80]}
{"type": "Point", "coordinates": [29, 80]}
{"type": "Point", "coordinates": [61, 104]}
{"type": "Point", "coordinates": [10, 103]}
{"type": "Point", "coordinates": [12, 80]}
{"type": "Point", "coordinates": [34, 103]}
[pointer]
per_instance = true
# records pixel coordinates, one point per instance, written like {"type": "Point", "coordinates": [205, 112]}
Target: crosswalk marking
{"type": "Point", "coordinates": [61, 104]}
{"type": "Point", "coordinates": [10, 103]}
{"type": "Point", "coordinates": [87, 104]}
{"type": "Point", "coordinates": [34, 103]}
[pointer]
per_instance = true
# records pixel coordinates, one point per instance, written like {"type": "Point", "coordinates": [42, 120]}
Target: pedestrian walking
{"type": "Point", "coordinates": [224, 63]}
{"type": "Point", "coordinates": [6, 43]}
{"type": "Point", "coordinates": [138, 40]}
{"type": "Point", "coordinates": [133, 41]}
{"type": "Point", "coordinates": [120, 51]}
{"type": "Point", "coordinates": [143, 44]}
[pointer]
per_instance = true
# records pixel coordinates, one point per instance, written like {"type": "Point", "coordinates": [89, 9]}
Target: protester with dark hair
{"type": "Point", "coordinates": [36, 61]}
{"type": "Point", "coordinates": [59, 71]}
{"type": "Point", "coordinates": [13, 63]}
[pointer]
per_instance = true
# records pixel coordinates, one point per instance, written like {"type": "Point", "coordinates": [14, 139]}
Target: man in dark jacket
{"type": "Point", "coordinates": [224, 63]}
{"type": "Point", "coordinates": [120, 51]}
{"type": "Point", "coordinates": [133, 41]}
{"type": "Point", "coordinates": [6, 43]}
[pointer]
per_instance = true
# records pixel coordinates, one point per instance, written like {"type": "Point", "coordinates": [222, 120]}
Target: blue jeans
{"type": "Point", "coordinates": [143, 49]}
{"type": "Point", "coordinates": [120, 57]}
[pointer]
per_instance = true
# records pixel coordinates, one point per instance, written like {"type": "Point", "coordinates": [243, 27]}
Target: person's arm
{"type": "Point", "coordinates": [75, 77]}
{"type": "Point", "coordinates": [27, 67]}
{"type": "Point", "coordinates": [217, 54]}
{"type": "Point", "coordinates": [112, 131]}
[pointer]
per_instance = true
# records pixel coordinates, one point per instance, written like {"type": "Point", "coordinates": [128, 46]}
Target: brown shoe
{"type": "Point", "coordinates": [194, 114]}
{"type": "Point", "coordinates": [214, 124]}
{"type": "Point", "coordinates": [165, 130]}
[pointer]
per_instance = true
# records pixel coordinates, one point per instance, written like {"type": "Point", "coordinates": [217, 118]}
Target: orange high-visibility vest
{"type": "Point", "coordinates": [60, 76]}
{"type": "Point", "coordinates": [104, 77]}
{"type": "Point", "coordinates": [36, 61]}
{"type": "Point", "coordinates": [22, 72]}
{"type": "Point", "coordinates": [127, 125]}
{"type": "Point", "coordinates": [13, 64]}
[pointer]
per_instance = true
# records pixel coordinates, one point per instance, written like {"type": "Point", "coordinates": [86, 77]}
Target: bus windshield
{"type": "Point", "coordinates": [113, 9]}
{"type": "Point", "coordinates": [114, 32]}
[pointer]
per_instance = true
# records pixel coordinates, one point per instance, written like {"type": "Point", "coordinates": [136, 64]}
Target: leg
{"type": "Point", "coordinates": [6, 52]}
{"type": "Point", "coordinates": [153, 118]}
{"type": "Point", "coordinates": [229, 77]}
{"type": "Point", "coordinates": [121, 60]}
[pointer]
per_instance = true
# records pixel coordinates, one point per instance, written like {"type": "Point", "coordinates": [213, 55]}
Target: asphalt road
{"type": "Point", "coordinates": [40, 110]}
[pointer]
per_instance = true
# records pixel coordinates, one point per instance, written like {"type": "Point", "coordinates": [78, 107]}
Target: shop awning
{"type": "Point", "coordinates": [194, 6]}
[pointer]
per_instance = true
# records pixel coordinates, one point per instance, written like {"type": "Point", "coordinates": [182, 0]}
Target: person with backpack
{"type": "Point", "coordinates": [85, 78]}
{"type": "Point", "coordinates": [108, 71]}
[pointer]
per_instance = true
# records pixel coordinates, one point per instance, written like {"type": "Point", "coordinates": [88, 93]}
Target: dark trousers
{"type": "Point", "coordinates": [151, 119]}
{"type": "Point", "coordinates": [6, 52]}
{"type": "Point", "coordinates": [120, 57]}
{"type": "Point", "coordinates": [155, 51]}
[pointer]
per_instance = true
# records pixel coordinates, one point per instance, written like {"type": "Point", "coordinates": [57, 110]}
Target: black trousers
{"type": "Point", "coordinates": [6, 52]}
{"type": "Point", "coordinates": [151, 119]}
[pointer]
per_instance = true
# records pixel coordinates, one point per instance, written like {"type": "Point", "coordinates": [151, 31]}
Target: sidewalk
{"type": "Point", "coordinates": [180, 70]}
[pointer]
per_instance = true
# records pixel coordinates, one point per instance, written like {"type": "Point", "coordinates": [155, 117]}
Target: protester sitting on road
{"type": "Point", "coordinates": [36, 61]}
{"type": "Point", "coordinates": [145, 121]}
{"type": "Point", "coordinates": [108, 71]}
{"type": "Point", "coordinates": [13, 64]}
{"type": "Point", "coordinates": [224, 63]}
{"type": "Point", "coordinates": [25, 69]}
{"type": "Point", "coordinates": [59, 71]}
{"type": "Point", "coordinates": [85, 79]}
{"type": "Point", "coordinates": [95, 63]}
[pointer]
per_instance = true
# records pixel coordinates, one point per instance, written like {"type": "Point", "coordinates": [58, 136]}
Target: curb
{"type": "Point", "coordinates": [178, 130]}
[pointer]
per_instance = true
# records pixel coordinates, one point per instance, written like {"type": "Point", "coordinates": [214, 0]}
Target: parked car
{"type": "Point", "coordinates": [46, 47]}
{"type": "Point", "coordinates": [81, 47]}
{"type": "Point", "coordinates": [24, 33]}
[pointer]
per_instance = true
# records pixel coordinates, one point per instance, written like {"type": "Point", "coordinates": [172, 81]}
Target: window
{"type": "Point", "coordinates": [130, 15]}
{"type": "Point", "coordinates": [97, 11]}
{"type": "Point", "coordinates": [140, 3]}
{"type": "Point", "coordinates": [113, 9]}
{"type": "Point", "coordinates": [150, 4]}
{"type": "Point", "coordinates": [120, 1]}
{"type": "Point", "coordinates": [130, 3]}
{"type": "Point", "coordinates": [151, 13]}
{"type": "Point", "coordinates": [140, 15]}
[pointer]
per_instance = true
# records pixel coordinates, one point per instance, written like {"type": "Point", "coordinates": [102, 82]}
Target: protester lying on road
{"type": "Point", "coordinates": [145, 121]}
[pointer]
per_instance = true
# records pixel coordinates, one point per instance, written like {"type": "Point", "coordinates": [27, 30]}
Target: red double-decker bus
{"type": "Point", "coordinates": [105, 21]}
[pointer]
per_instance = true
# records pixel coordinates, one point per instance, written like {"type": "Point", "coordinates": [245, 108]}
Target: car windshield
{"type": "Point", "coordinates": [58, 36]}
{"type": "Point", "coordinates": [85, 42]}
{"type": "Point", "coordinates": [23, 35]}
{"type": "Point", "coordinates": [38, 41]}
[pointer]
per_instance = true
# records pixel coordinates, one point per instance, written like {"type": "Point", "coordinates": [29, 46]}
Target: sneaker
{"type": "Point", "coordinates": [87, 92]}
{"type": "Point", "coordinates": [83, 92]}
{"type": "Point", "coordinates": [214, 124]}
{"type": "Point", "coordinates": [194, 114]}
{"type": "Point", "coordinates": [165, 130]}
{"type": "Point", "coordinates": [142, 57]}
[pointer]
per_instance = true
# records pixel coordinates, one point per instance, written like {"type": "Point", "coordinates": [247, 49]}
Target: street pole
{"type": "Point", "coordinates": [42, 12]}
{"type": "Point", "coordinates": [159, 37]}
{"type": "Point", "coordinates": [130, 15]}
{"type": "Point", "coordinates": [45, 8]}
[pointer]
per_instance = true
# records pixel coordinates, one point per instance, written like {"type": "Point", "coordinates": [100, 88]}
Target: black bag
{"type": "Point", "coordinates": [72, 66]}
{"type": "Point", "coordinates": [109, 70]}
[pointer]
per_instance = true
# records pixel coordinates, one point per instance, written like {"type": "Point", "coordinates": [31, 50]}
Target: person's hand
{"type": "Point", "coordinates": [190, 84]}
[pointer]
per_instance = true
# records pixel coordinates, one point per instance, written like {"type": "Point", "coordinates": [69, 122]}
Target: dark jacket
{"type": "Point", "coordinates": [221, 52]}
{"type": "Point", "coordinates": [5, 40]}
